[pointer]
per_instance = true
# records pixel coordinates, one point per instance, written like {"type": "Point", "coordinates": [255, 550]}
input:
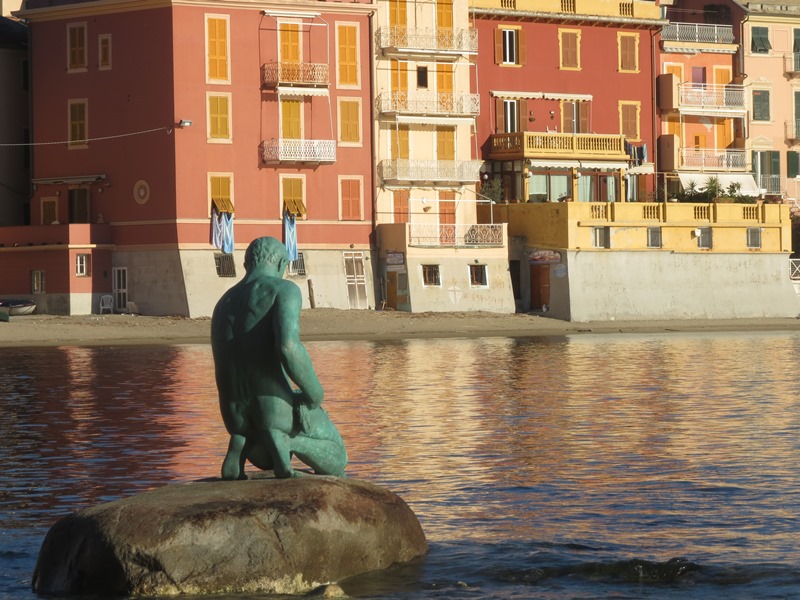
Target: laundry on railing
{"type": "Point", "coordinates": [222, 231]}
{"type": "Point", "coordinates": [290, 234]}
{"type": "Point", "coordinates": [637, 154]}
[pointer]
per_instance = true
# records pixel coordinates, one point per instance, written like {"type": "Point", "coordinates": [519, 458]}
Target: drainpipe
{"type": "Point", "coordinates": [375, 132]}
{"type": "Point", "coordinates": [654, 72]}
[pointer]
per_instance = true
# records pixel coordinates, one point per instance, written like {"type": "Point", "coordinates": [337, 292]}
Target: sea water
{"type": "Point", "coordinates": [589, 466]}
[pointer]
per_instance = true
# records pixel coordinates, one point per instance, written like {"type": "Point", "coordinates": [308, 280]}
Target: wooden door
{"type": "Point", "coordinates": [391, 289]}
{"type": "Point", "coordinates": [540, 285]}
{"type": "Point", "coordinates": [447, 218]}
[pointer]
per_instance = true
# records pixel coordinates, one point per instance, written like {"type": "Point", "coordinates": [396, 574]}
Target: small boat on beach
{"type": "Point", "coordinates": [17, 307]}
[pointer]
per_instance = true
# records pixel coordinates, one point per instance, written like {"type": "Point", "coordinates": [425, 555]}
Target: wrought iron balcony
{"type": "Point", "coordinates": [709, 158]}
{"type": "Point", "coordinates": [274, 74]}
{"type": "Point", "coordinates": [465, 171]}
{"type": "Point", "coordinates": [428, 103]}
{"type": "Point", "coordinates": [710, 97]}
{"type": "Point", "coordinates": [793, 129]}
{"type": "Point", "coordinates": [458, 236]}
{"type": "Point", "coordinates": [290, 150]}
{"type": "Point", "coordinates": [529, 144]}
{"type": "Point", "coordinates": [698, 32]}
{"type": "Point", "coordinates": [769, 184]}
{"type": "Point", "coordinates": [461, 41]}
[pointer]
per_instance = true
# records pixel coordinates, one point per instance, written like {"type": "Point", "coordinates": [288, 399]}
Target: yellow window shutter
{"type": "Point", "coordinates": [293, 196]}
{"type": "Point", "coordinates": [290, 119]}
{"type": "Point", "coordinates": [444, 79]}
{"type": "Point", "coordinates": [444, 14]}
{"type": "Point", "coordinates": [219, 117]}
{"type": "Point", "coordinates": [217, 49]}
{"type": "Point", "coordinates": [290, 42]}
{"type": "Point", "coordinates": [348, 55]}
{"type": "Point", "coordinates": [349, 121]}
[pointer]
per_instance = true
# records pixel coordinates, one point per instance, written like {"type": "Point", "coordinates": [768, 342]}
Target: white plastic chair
{"type": "Point", "coordinates": [106, 303]}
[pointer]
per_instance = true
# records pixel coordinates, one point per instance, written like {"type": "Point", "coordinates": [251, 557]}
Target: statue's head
{"type": "Point", "coordinates": [266, 250]}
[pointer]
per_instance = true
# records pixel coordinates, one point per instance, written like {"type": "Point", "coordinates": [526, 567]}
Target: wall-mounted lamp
{"type": "Point", "coordinates": [485, 176]}
{"type": "Point", "coordinates": [184, 123]}
{"type": "Point", "coordinates": [476, 261]}
{"type": "Point", "coordinates": [696, 233]}
{"type": "Point", "coordinates": [426, 208]}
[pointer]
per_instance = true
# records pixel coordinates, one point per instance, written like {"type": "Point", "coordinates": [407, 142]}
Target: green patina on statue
{"type": "Point", "coordinates": [255, 337]}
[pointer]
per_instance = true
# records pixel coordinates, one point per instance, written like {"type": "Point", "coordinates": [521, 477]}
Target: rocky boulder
{"type": "Point", "coordinates": [261, 535]}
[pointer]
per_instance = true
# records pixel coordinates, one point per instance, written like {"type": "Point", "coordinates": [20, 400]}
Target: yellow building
{"type": "Point", "coordinates": [606, 261]}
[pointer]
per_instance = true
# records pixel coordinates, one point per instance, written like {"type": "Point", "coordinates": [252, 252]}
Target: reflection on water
{"type": "Point", "coordinates": [575, 466]}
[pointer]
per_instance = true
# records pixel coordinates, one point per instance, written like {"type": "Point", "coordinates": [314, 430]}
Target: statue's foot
{"type": "Point", "coordinates": [231, 470]}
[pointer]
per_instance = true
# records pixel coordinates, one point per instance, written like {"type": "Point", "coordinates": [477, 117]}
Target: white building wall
{"type": "Point", "coordinates": [600, 286]}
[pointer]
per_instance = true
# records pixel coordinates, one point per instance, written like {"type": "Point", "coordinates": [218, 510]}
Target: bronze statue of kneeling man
{"type": "Point", "coordinates": [255, 338]}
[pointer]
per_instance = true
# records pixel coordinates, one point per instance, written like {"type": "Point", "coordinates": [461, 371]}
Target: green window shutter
{"type": "Point", "coordinates": [791, 163]}
{"type": "Point", "coordinates": [759, 40]}
{"type": "Point", "coordinates": [754, 161]}
{"type": "Point", "coordinates": [775, 163]}
{"type": "Point", "coordinates": [761, 105]}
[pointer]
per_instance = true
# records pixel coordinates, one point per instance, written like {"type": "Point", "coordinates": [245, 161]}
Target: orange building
{"type": "Point", "coordinates": [168, 135]}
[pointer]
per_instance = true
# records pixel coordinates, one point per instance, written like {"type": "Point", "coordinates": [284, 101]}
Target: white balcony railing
{"type": "Point", "coordinates": [289, 150]}
{"type": "Point", "coordinates": [458, 236]}
{"type": "Point", "coordinates": [429, 170]}
{"type": "Point", "coordinates": [793, 129]}
{"type": "Point", "coordinates": [428, 103]}
{"type": "Point", "coordinates": [769, 184]}
{"type": "Point", "coordinates": [292, 73]}
{"type": "Point", "coordinates": [792, 63]}
{"type": "Point", "coordinates": [707, 158]}
{"type": "Point", "coordinates": [696, 32]}
{"type": "Point", "coordinates": [464, 41]}
{"type": "Point", "coordinates": [712, 96]}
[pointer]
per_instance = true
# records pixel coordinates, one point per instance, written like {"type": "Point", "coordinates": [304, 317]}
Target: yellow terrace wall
{"type": "Point", "coordinates": [632, 9]}
{"type": "Point", "coordinates": [570, 225]}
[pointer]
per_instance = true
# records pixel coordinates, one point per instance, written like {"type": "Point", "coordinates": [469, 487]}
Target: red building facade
{"type": "Point", "coordinates": [156, 163]}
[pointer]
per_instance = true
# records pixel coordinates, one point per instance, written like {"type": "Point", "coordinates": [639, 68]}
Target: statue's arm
{"type": "Point", "coordinates": [294, 356]}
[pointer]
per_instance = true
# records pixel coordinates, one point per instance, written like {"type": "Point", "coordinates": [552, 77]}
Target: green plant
{"type": "Point", "coordinates": [492, 189]}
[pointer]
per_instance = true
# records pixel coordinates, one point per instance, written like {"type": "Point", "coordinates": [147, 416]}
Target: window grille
{"type": "Point", "coordinates": [225, 265]}
{"type": "Point", "coordinates": [601, 237]}
{"type": "Point", "coordinates": [704, 239]}
{"type": "Point", "coordinates": [37, 282]}
{"type": "Point", "coordinates": [654, 237]}
{"type": "Point", "coordinates": [754, 237]}
{"type": "Point", "coordinates": [430, 275]}
{"type": "Point", "coordinates": [477, 275]}
{"type": "Point", "coordinates": [297, 267]}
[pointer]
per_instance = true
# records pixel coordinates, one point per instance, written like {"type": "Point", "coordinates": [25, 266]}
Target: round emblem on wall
{"type": "Point", "coordinates": [141, 191]}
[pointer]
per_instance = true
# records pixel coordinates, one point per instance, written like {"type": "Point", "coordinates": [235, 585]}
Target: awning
{"type": "Point", "coordinates": [603, 166]}
{"type": "Point", "coordinates": [301, 91]}
{"type": "Point", "coordinates": [435, 120]}
{"type": "Point", "coordinates": [642, 169]}
{"type": "Point", "coordinates": [223, 205]}
{"type": "Point", "coordinates": [540, 96]}
{"type": "Point", "coordinates": [554, 164]}
{"type": "Point", "coordinates": [69, 179]}
{"type": "Point", "coordinates": [746, 180]}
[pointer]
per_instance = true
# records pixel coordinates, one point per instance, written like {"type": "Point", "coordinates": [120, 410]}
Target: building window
{"type": "Point", "coordinates": [629, 119]}
{"type": "Point", "coordinates": [760, 105]}
{"type": "Point", "coordinates": [430, 275]}
{"type": "Point", "coordinates": [217, 49]}
{"type": "Point", "coordinates": [628, 52]}
{"type": "Point", "coordinates": [219, 117]}
{"type": "Point", "coordinates": [220, 191]}
{"type": "Point", "coordinates": [49, 211]}
{"type": "Point", "coordinates": [654, 237]}
{"type": "Point", "coordinates": [349, 121]}
{"type": "Point", "coordinates": [477, 276]}
{"type": "Point", "coordinates": [576, 116]}
{"type": "Point", "coordinates": [754, 237]}
{"type": "Point", "coordinates": [104, 52]}
{"type": "Point", "coordinates": [704, 237]}
{"type": "Point", "coordinates": [398, 141]}
{"type": "Point", "coordinates": [291, 119]}
{"type": "Point", "coordinates": [759, 42]}
{"type": "Point", "coordinates": [350, 199]}
{"type": "Point", "coordinates": [601, 237]}
{"type": "Point", "coordinates": [225, 265]}
{"type": "Point", "coordinates": [347, 55]}
{"type": "Point", "coordinates": [569, 44]}
{"type": "Point", "coordinates": [79, 205]}
{"type": "Point", "coordinates": [422, 77]}
{"type": "Point", "coordinates": [297, 266]}
{"type": "Point", "coordinates": [78, 123]}
{"type": "Point", "coordinates": [37, 282]}
{"type": "Point", "coordinates": [511, 122]}
{"type": "Point", "coordinates": [292, 196]}
{"type": "Point", "coordinates": [445, 143]}
{"type": "Point", "coordinates": [76, 47]}
{"type": "Point", "coordinates": [509, 46]}
{"type": "Point", "coordinates": [83, 265]}
{"type": "Point", "coordinates": [289, 34]}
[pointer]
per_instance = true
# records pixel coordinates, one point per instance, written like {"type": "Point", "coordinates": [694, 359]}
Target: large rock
{"type": "Point", "coordinates": [263, 535]}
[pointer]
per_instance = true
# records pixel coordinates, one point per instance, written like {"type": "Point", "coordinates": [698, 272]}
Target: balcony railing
{"type": "Point", "coordinates": [428, 103]}
{"type": "Point", "coordinates": [707, 158]}
{"type": "Point", "coordinates": [429, 170]}
{"type": "Point", "coordinates": [530, 144]}
{"type": "Point", "coordinates": [291, 73]}
{"type": "Point", "coordinates": [794, 268]}
{"type": "Point", "coordinates": [769, 184]}
{"type": "Point", "coordinates": [463, 41]}
{"type": "Point", "coordinates": [792, 65]}
{"type": "Point", "coordinates": [793, 129]}
{"type": "Point", "coordinates": [712, 96]}
{"type": "Point", "coordinates": [696, 32]}
{"type": "Point", "coordinates": [458, 236]}
{"type": "Point", "coordinates": [289, 150]}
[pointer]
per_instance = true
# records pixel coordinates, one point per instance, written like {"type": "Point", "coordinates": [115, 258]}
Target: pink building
{"type": "Point", "coordinates": [157, 163]}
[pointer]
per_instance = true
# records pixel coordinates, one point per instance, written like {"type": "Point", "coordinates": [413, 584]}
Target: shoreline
{"type": "Point", "coordinates": [328, 324]}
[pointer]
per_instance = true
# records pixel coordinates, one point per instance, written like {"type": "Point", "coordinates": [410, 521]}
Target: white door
{"type": "Point", "coordinates": [356, 280]}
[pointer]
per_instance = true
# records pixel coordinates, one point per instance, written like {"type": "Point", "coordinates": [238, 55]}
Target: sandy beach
{"type": "Point", "coordinates": [333, 324]}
